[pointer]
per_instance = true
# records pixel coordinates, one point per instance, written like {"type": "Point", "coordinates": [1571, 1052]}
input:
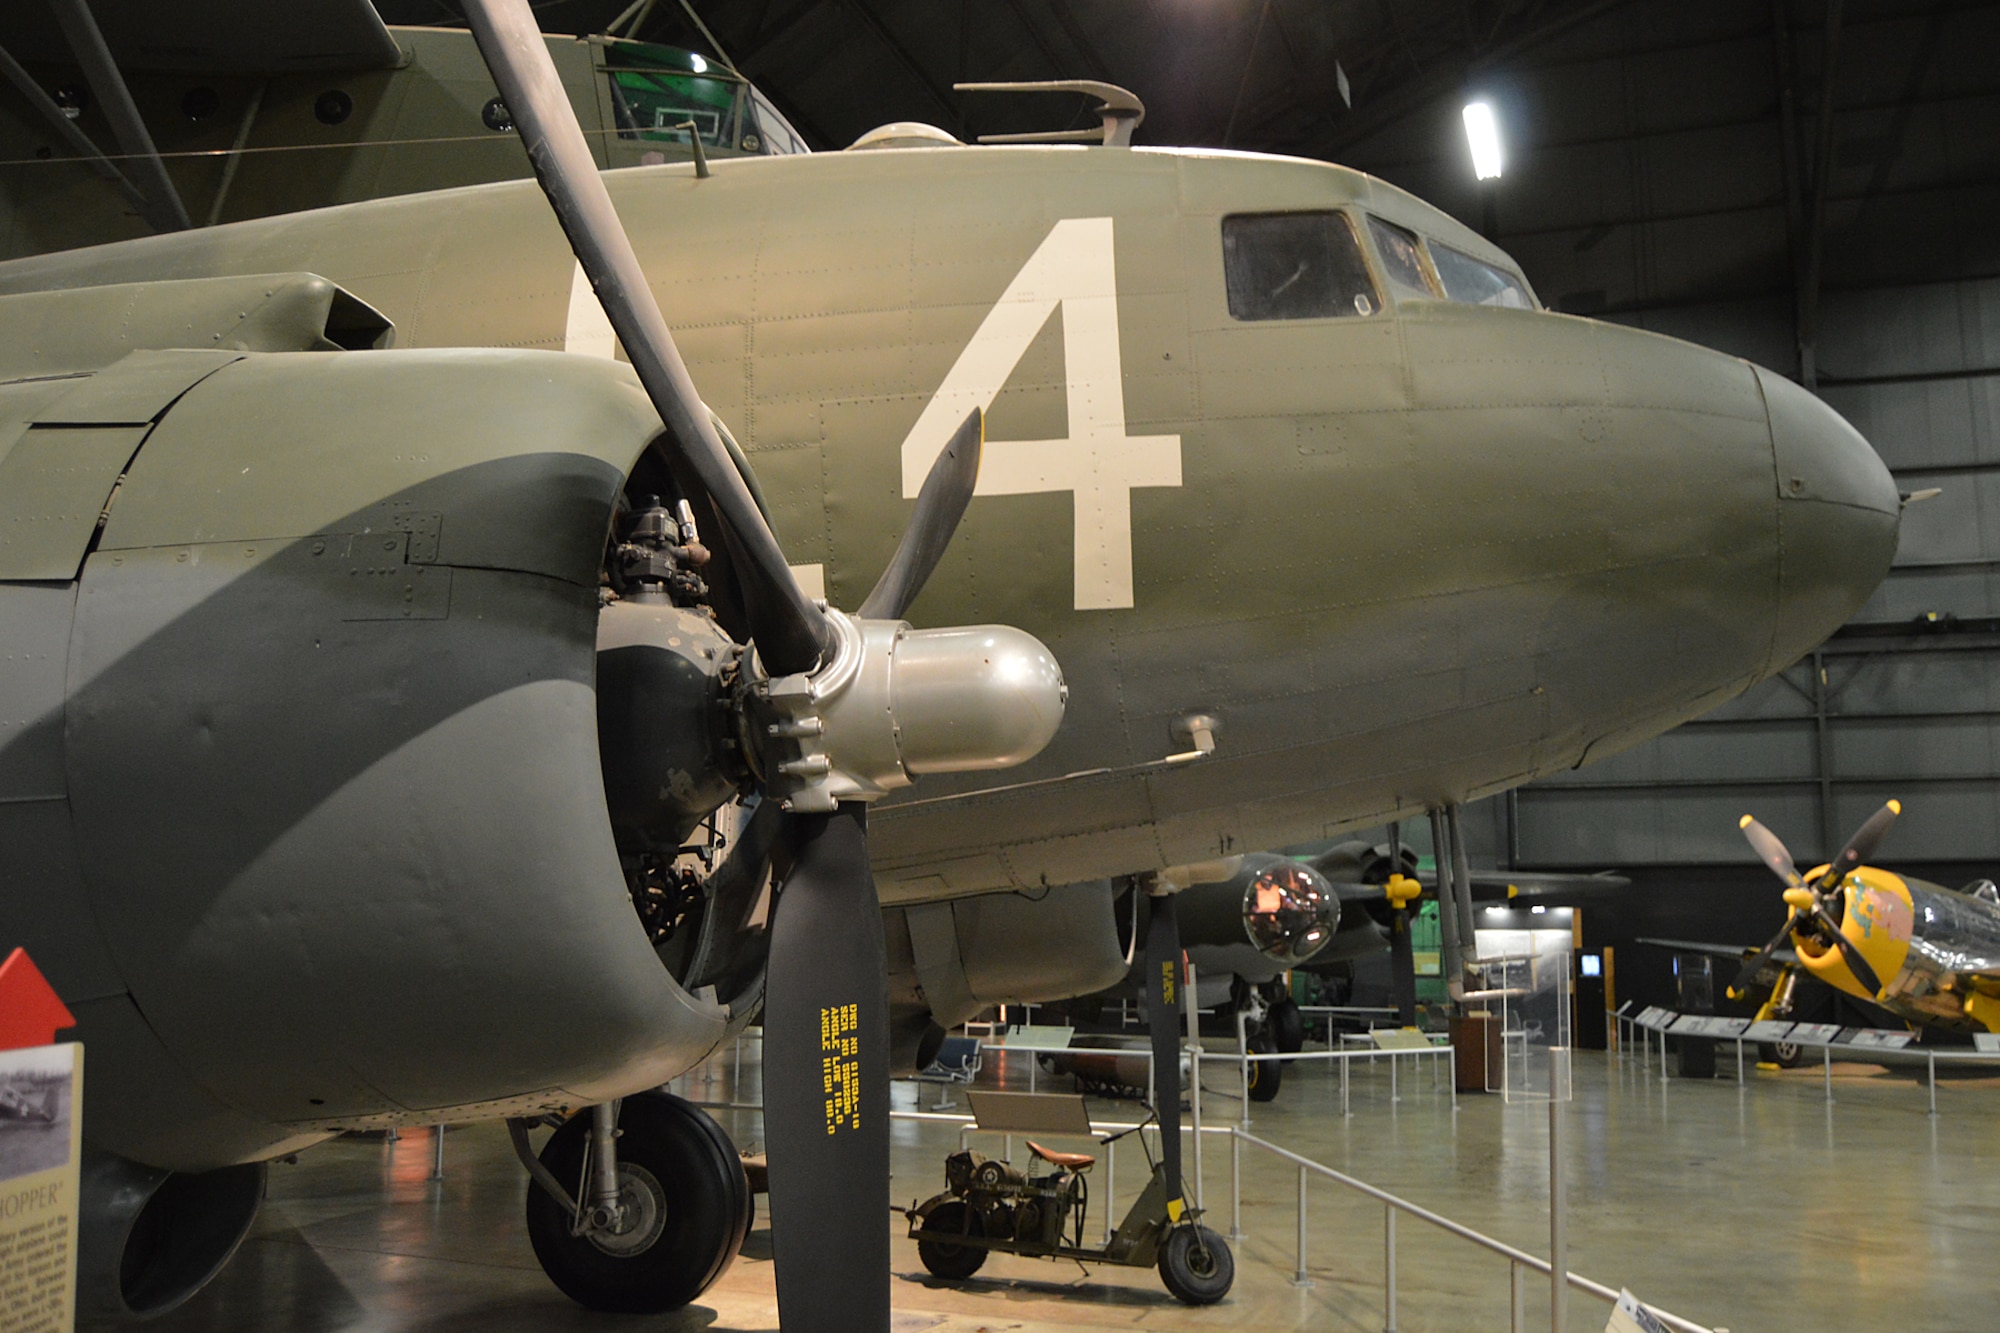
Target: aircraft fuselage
{"type": "Point", "coordinates": [1407, 556]}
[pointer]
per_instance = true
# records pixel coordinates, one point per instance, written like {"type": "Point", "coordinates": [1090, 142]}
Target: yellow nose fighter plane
{"type": "Point", "coordinates": [1919, 950]}
{"type": "Point", "coordinates": [372, 653]}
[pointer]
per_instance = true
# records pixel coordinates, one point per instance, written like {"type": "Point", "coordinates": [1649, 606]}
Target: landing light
{"type": "Point", "coordinates": [701, 67]}
{"type": "Point", "coordinates": [1482, 131]}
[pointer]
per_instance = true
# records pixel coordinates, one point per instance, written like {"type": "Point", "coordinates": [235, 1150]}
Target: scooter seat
{"type": "Point", "coordinates": [1067, 1161]}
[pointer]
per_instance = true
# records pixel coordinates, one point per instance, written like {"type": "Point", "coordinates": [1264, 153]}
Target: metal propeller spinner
{"type": "Point", "coordinates": [1811, 901]}
{"type": "Point", "coordinates": [835, 711]}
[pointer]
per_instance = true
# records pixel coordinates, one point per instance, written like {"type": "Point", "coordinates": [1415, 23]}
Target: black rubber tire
{"type": "Point", "coordinates": [1287, 1026]}
{"type": "Point", "coordinates": [1197, 1270]}
{"type": "Point", "coordinates": [1785, 1054]}
{"type": "Point", "coordinates": [948, 1258]}
{"type": "Point", "coordinates": [1265, 1075]}
{"type": "Point", "coordinates": [703, 1207]}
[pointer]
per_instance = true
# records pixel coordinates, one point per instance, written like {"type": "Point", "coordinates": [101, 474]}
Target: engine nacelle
{"type": "Point", "coordinates": [149, 1239]}
{"type": "Point", "coordinates": [310, 751]}
{"type": "Point", "coordinates": [949, 960]}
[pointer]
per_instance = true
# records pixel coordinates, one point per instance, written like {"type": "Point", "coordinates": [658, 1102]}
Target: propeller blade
{"type": "Point", "coordinates": [790, 633]}
{"type": "Point", "coordinates": [947, 490]}
{"type": "Point", "coordinates": [826, 1081]}
{"type": "Point", "coordinates": [1741, 986]}
{"type": "Point", "coordinates": [1768, 847]}
{"type": "Point", "coordinates": [1862, 845]}
{"type": "Point", "coordinates": [1851, 955]}
{"type": "Point", "coordinates": [1164, 979]}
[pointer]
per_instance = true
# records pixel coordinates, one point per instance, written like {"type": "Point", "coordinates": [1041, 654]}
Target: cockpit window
{"type": "Point", "coordinates": [774, 134]}
{"type": "Point", "coordinates": [651, 100]}
{"type": "Point", "coordinates": [657, 89]}
{"type": "Point", "coordinates": [1295, 266]}
{"type": "Point", "coordinates": [1476, 282]}
{"type": "Point", "coordinates": [1402, 257]}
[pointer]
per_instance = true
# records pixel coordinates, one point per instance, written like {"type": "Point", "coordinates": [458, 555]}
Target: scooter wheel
{"type": "Point", "coordinates": [1196, 1265]}
{"type": "Point", "coordinates": [940, 1245]}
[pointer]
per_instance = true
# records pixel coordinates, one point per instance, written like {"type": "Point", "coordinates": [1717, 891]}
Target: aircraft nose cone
{"type": "Point", "coordinates": [1838, 515]}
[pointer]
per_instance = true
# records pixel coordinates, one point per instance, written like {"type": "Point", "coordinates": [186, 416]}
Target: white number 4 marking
{"type": "Point", "coordinates": [1099, 463]}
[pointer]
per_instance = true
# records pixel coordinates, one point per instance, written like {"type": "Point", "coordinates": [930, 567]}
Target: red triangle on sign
{"type": "Point", "coordinates": [30, 1010]}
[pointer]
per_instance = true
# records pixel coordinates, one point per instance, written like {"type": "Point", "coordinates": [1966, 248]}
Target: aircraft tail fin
{"type": "Point", "coordinates": [51, 1106]}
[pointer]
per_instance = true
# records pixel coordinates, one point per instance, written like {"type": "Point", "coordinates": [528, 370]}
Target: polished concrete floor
{"type": "Point", "coordinates": [1753, 1207]}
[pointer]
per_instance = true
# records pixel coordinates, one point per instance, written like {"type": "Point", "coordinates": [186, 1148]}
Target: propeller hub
{"type": "Point", "coordinates": [890, 703]}
{"type": "Point", "coordinates": [1799, 900]}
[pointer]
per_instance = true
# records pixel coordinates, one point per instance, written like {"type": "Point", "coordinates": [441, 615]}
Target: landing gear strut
{"type": "Point", "coordinates": [660, 1208]}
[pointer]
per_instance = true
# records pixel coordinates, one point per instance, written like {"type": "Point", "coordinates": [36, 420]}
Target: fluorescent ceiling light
{"type": "Point", "coordinates": [1482, 131]}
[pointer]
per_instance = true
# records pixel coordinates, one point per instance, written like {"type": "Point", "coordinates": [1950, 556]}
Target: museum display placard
{"type": "Point", "coordinates": [1629, 1316]}
{"type": "Point", "coordinates": [1881, 1039]}
{"type": "Point", "coordinates": [41, 1138]}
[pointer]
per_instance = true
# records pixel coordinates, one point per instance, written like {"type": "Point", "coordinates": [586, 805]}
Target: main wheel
{"type": "Point", "coordinates": [1287, 1026]}
{"type": "Point", "coordinates": [686, 1209]}
{"type": "Point", "coordinates": [1265, 1075]}
{"type": "Point", "coordinates": [1784, 1054]}
{"type": "Point", "coordinates": [940, 1245]}
{"type": "Point", "coordinates": [1196, 1266]}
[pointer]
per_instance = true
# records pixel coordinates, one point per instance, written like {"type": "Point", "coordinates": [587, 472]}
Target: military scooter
{"type": "Point", "coordinates": [991, 1204]}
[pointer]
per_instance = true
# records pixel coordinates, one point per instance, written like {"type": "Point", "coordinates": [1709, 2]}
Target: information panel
{"type": "Point", "coordinates": [41, 1137]}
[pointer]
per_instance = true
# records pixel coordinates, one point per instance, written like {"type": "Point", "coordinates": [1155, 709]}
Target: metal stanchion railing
{"type": "Point", "coordinates": [1518, 1258]}
{"type": "Point", "coordinates": [1244, 1059]}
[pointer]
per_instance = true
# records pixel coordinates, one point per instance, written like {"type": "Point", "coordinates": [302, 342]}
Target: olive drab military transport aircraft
{"type": "Point", "coordinates": [389, 597]}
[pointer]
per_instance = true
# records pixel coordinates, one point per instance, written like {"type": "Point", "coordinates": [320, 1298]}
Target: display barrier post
{"type": "Point", "coordinates": [1299, 1278]}
{"type": "Point", "coordinates": [1243, 1051]}
{"type": "Point", "coordinates": [1235, 1190]}
{"type": "Point", "coordinates": [1388, 1263]}
{"type": "Point", "coordinates": [1534, 991]}
{"type": "Point", "coordinates": [1558, 1237]}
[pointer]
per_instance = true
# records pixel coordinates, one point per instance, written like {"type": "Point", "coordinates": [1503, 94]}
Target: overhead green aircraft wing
{"type": "Point", "coordinates": [214, 36]}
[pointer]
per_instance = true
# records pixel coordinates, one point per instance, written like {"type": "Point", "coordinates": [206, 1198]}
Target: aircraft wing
{"type": "Point", "coordinates": [1497, 885]}
{"type": "Point", "coordinates": [1543, 883]}
{"type": "Point", "coordinates": [213, 36]}
{"type": "Point", "coordinates": [1739, 952]}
